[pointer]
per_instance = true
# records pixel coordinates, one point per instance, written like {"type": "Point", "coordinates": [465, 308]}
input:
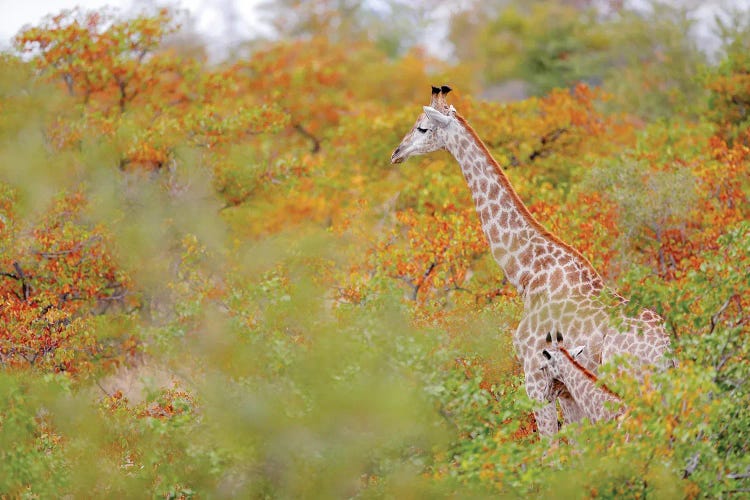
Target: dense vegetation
{"type": "Point", "coordinates": [214, 284]}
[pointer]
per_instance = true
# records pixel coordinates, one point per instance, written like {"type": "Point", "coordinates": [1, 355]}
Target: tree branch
{"type": "Point", "coordinates": [25, 288]}
{"type": "Point", "coordinates": [546, 140]}
{"type": "Point", "coordinates": [715, 317]}
{"type": "Point", "coordinates": [316, 142]}
{"type": "Point", "coordinates": [691, 465]}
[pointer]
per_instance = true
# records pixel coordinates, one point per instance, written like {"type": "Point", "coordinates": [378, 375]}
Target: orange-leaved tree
{"type": "Point", "coordinates": [133, 90]}
{"type": "Point", "coordinates": [57, 276]}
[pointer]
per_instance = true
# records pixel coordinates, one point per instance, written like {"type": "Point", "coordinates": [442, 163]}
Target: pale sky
{"type": "Point", "coordinates": [215, 19]}
{"type": "Point", "coordinates": [222, 22]}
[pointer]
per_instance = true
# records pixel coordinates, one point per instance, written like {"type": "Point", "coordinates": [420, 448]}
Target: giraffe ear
{"type": "Point", "coordinates": [436, 116]}
{"type": "Point", "coordinates": [546, 354]}
{"type": "Point", "coordinates": [577, 351]}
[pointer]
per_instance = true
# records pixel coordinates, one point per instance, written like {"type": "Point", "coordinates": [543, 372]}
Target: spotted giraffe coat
{"type": "Point", "coordinates": [560, 289]}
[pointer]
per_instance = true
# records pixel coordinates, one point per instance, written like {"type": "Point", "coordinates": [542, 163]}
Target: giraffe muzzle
{"type": "Point", "coordinates": [397, 157]}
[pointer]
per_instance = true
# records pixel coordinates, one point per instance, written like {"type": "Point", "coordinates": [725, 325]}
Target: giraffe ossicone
{"type": "Point", "coordinates": [560, 289]}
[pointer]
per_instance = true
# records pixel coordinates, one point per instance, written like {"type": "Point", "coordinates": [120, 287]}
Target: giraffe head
{"type": "Point", "coordinates": [430, 131]}
{"type": "Point", "coordinates": [555, 353]}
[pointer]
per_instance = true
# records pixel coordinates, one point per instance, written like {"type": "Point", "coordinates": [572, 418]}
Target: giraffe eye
{"type": "Point", "coordinates": [422, 130]}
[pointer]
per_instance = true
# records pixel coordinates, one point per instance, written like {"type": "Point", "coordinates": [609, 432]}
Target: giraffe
{"type": "Point", "coordinates": [597, 402]}
{"type": "Point", "coordinates": [559, 288]}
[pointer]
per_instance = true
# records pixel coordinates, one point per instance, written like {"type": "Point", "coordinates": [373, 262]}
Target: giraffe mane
{"type": "Point", "coordinates": [520, 205]}
{"type": "Point", "coordinates": [587, 372]}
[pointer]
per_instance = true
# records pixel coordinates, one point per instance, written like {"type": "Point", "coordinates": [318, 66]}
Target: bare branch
{"type": "Point", "coordinates": [316, 142]}
{"type": "Point", "coordinates": [715, 317]}
{"type": "Point", "coordinates": [25, 288]}
{"type": "Point", "coordinates": [691, 465]}
{"type": "Point", "coordinates": [103, 389]}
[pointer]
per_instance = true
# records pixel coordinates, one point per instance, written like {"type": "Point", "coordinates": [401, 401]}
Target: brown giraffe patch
{"type": "Point", "coordinates": [543, 263]}
{"type": "Point", "coordinates": [538, 282]}
{"type": "Point", "coordinates": [511, 267]}
{"type": "Point", "coordinates": [514, 221]}
{"type": "Point", "coordinates": [556, 279]}
{"type": "Point", "coordinates": [506, 240]}
{"type": "Point", "coordinates": [503, 219]}
{"type": "Point", "coordinates": [494, 232]}
{"type": "Point", "coordinates": [525, 257]}
{"type": "Point", "coordinates": [494, 192]}
{"type": "Point", "coordinates": [485, 215]}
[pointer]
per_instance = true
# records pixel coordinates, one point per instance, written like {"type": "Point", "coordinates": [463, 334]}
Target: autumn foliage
{"type": "Point", "coordinates": [213, 282]}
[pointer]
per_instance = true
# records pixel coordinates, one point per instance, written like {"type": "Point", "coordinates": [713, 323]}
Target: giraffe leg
{"type": "Point", "coordinates": [539, 387]}
{"type": "Point", "coordinates": [571, 411]}
{"type": "Point", "coordinates": [546, 420]}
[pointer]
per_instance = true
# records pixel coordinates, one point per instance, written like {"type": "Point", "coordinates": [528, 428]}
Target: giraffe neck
{"type": "Point", "coordinates": [573, 370]}
{"type": "Point", "coordinates": [594, 399]}
{"type": "Point", "coordinates": [532, 258]}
